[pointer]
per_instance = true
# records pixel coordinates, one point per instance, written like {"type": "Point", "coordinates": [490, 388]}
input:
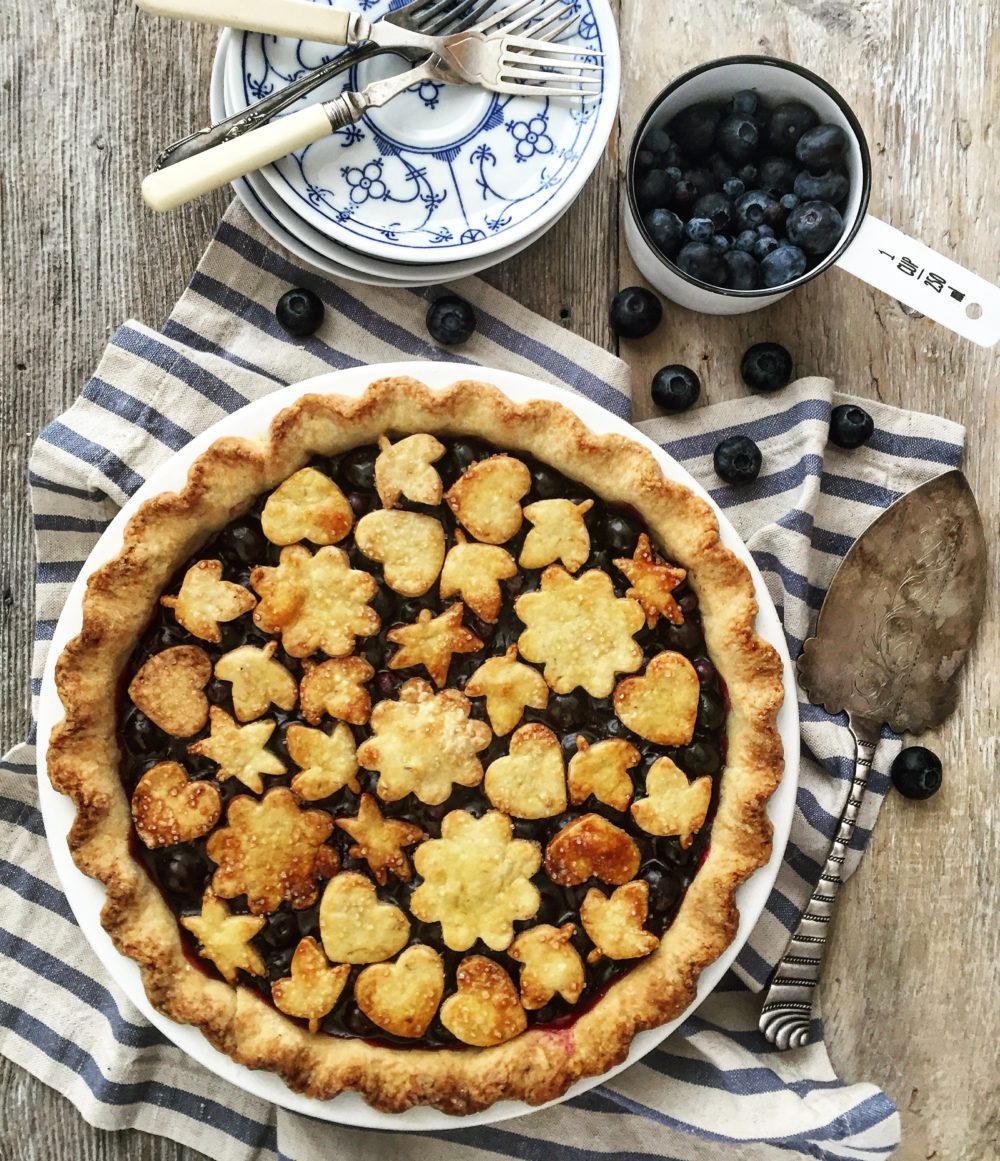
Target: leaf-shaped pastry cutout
{"type": "Point", "coordinates": [485, 1010]}
{"type": "Point", "coordinates": [205, 599]}
{"type": "Point", "coordinates": [402, 997]}
{"type": "Point", "coordinates": [559, 533]}
{"type": "Point", "coordinates": [355, 925]}
{"type": "Point", "coordinates": [616, 925]}
{"type": "Point", "coordinates": [602, 769]}
{"type": "Point", "coordinates": [486, 499]}
{"type": "Point", "coordinates": [404, 469]}
{"type": "Point", "coordinates": [673, 805]}
{"type": "Point", "coordinates": [169, 808]}
{"type": "Point", "coordinates": [530, 781]}
{"type": "Point", "coordinates": [313, 988]}
{"type": "Point", "coordinates": [240, 751]}
{"type": "Point", "coordinates": [409, 546]}
{"type": "Point", "coordinates": [552, 965]}
{"type": "Point", "coordinates": [432, 641]}
{"type": "Point", "coordinates": [661, 705]}
{"type": "Point", "coordinates": [327, 762]}
{"type": "Point", "coordinates": [307, 506]}
{"type": "Point", "coordinates": [474, 571]}
{"type": "Point", "coordinates": [591, 847]}
{"type": "Point", "coordinates": [508, 686]}
{"type": "Point", "coordinates": [170, 689]}
{"type": "Point", "coordinates": [258, 680]}
{"type": "Point", "coordinates": [337, 688]}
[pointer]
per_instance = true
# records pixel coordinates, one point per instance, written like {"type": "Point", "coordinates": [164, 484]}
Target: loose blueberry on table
{"type": "Point", "coordinates": [742, 177]}
{"type": "Point", "coordinates": [635, 312]}
{"type": "Point", "coordinates": [300, 312]}
{"type": "Point", "coordinates": [850, 426]}
{"type": "Point", "coordinates": [737, 459]}
{"type": "Point", "coordinates": [766, 367]}
{"type": "Point", "coordinates": [916, 772]}
{"type": "Point", "coordinates": [675, 387]}
{"type": "Point", "coordinates": [451, 320]}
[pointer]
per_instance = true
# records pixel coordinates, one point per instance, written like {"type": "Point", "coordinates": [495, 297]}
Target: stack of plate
{"type": "Point", "coordinates": [440, 183]}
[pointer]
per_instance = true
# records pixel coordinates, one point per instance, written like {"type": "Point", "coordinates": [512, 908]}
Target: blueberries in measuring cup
{"type": "Point", "coordinates": [742, 165]}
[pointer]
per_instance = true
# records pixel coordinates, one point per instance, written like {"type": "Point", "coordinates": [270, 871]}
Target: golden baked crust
{"type": "Point", "coordinates": [539, 1063]}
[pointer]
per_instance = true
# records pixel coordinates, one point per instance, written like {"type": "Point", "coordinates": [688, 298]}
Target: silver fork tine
{"type": "Point", "coordinates": [501, 18]}
{"type": "Point", "coordinates": [523, 22]}
{"type": "Point", "coordinates": [529, 45]}
{"type": "Point", "coordinates": [446, 16]}
{"type": "Point", "coordinates": [520, 60]}
{"type": "Point", "coordinates": [518, 75]}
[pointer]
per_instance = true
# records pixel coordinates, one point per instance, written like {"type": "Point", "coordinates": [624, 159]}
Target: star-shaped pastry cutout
{"type": "Point", "coordinates": [404, 469]}
{"type": "Point", "coordinates": [313, 988]}
{"type": "Point", "coordinates": [258, 680]}
{"type": "Point", "coordinates": [431, 642]}
{"type": "Point", "coordinates": [337, 688]}
{"type": "Point", "coordinates": [205, 599]}
{"type": "Point", "coordinates": [327, 762]}
{"type": "Point", "coordinates": [381, 841]}
{"type": "Point", "coordinates": [239, 750]}
{"type": "Point", "coordinates": [509, 687]}
{"type": "Point", "coordinates": [652, 583]}
{"type": "Point", "coordinates": [559, 533]}
{"type": "Point", "coordinates": [224, 938]}
{"type": "Point", "coordinates": [616, 925]}
{"type": "Point", "coordinates": [474, 571]}
{"type": "Point", "coordinates": [552, 965]}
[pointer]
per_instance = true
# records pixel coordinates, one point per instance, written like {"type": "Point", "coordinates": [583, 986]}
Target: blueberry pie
{"type": "Point", "coordinates": [442, 739]}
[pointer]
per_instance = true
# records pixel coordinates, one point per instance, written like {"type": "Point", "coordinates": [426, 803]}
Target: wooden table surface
{"type": "Point", "coordinates": [89, 92]}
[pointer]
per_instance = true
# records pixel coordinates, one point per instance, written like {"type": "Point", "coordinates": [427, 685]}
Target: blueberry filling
{"type": "Point", "coordinates": [184, 872]}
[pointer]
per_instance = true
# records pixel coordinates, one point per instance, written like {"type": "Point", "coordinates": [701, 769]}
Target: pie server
{"type": "Point", "coordinates": [893, 631]}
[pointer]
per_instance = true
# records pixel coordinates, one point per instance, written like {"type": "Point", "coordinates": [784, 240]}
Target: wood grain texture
{"type": "Point", "coordinates": [910, 988]}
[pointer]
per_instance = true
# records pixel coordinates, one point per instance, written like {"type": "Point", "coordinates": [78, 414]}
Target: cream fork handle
{"type": "Point", "coordinates": [297, 18]}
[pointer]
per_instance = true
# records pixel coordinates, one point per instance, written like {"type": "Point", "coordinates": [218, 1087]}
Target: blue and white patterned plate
{"type": "Point", "coordinates": [443, 172]}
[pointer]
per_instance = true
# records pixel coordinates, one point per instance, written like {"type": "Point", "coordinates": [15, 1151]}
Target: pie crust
{"type": "Point", "coordinates": [498, 1053]}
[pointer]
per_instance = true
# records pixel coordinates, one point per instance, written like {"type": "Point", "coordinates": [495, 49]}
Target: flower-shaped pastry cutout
{"type": "Point", "coordinates": [272, 852]}
{"type": "Point", "coordinates": [508, 686]}
{"type": "Point", "coordinates": [602, 769]}
{"type": "Point", "coordinates": [337, 688]}
{"type": "Point", "coordinates": [258, 680]}
{"type": "Point", "coordinates": [486, 499]}
{"type": "Point", "coordinates": [355, 925]}
{"type": "Point", "coordinates": [580, 631]}
{"type": "Point", "coordinates": [404, 469]}
{"type": "Point", "coordinates": [652, 583]}
{"type": "Point", "coordinates": [313, 988]}
{"type": "Point", "coordinates": [224, 938]}
{"type": "Point", "coordinates": [168, 808]}
{"type": "Point", "coordinates": [673, 805]}
{"type": "Point", "coordinates": [205, 599]}
{"type": "Point", "coordinates": [530, 781]}
{"type": "Point", "coordinates": [317, 603]}
{"type": "Point", "coordinates": [552, 965]}
{"type": "Point", "coordinates": [409, 545]}
{"type": "Point", "coordinates": [615, 925]}
{"type": "Point", "coordinates": [474, 571]}
{"type": "Point", "coordinates": [661, 705]}
{"type": "Point", "coordinates": [423, 743]}
{"type": "Point", "coordinates": [477, 880]}
{"type": "Point", "coordinates": [327, 762]}
{"type": "Point", "coordinates": [170, 689]}
{"type": "Point", "coordinates": [402, 997]}
{"type": "Point", "coordinates": [307, 506]}
{"type": "Point", "coordinates": [381, 841]}
{"type": "Point", "coordinates": [239, 751]}
{"type": "Point", "coordinates": [591, 847]}
{"type": "Point", "coordinates": [485, 1010]}
{"type": "Point", "coordinates": [432, 641]}
{"type": "Point", "coordinates": [559, 533]}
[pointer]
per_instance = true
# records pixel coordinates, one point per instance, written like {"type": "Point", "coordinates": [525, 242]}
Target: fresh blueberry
{"type": "Point", "coordinates": [645, 160]}
{"type": "Point", "coordinates": [748, 175]}
{"type": "Point", "coordinates": [653, 189]}
{"type": "Point", "coordinates": [703, 180]}
{"type": "Point", "coordinates": [693, 129]}
{"type": "Point", "coordinates": [361, 503]}
{"type": "Point", "coordinates": [766, 367]}
{"type": "Point", "coordinates": [705, 670]}
{"type": "Point", "coordinates": [789, 201]}
{"type": "Point", "coordinates": [700, 758]}
{"type": "Point", "coordinates": [757, 208]}
{"type": "Point", "coordinates": [635, 312]}
{"type": "Point", "coordinates": [451, 320]}
{"type": "Point", "coordinates": [387, 682]}
{"type": "Point", "coordinates": [721, 242]}
{"type": "Point", "coordinates": [674, 173]}
{"type": "Point", "coordinates": [783, 264]}
{"type": "Point", "coordinates": [620, 533]}
{"type": "Point", "coordinates": [763, 245]}
{"type": "Point", "coordinates": [916, 772]}
{"type": "Point", "coordinates": [815, 227]}
{"type": "Point", "coordinates": [711, 711]}
{"type": "Point", "coordinates": [745, 240]}
{"type": "Point", "coordinates": [720, 169]}
{"type": "Point", "coordinates": [850, 426]}
{"type": "Point", "coordinates": [744, 102]}
{"type": "Point", "coordinates": [699, 229]}
{"type": "Point", "coordinates": [665, 229]}
{"type": "Point", "coordinates": [765, 231]}
{"type": "Point", "coordinates": [744, 273]}
{"type": "Point", "coordinates": [787, 124]}
{"type": "Point", "coordinates": [685, 195]}
{"type": "Point", "coordinates": [733, 188]}
{"type": "Point", "coordinates": [675, 388]}
{"type": "Point", "coordinates": [717, 207]}
{"type": "Point", "coordinates": [657, 140]}
{"type": "Point", "coordinates": [183, 872]}
{"type": "Point", "coordinates": [737, 459]}
{"type": "Point", "coordinates": [776, 176]}
{"type": "Point", "coordinates": [703, 261]}
{"type": "Point", "coordinates": [738, 138]}
{"type": "Point", "coordinates": [821, 148]}
{"type": "Point", "coordinates": [832, 187]}
{"type": "Point", "coordinates": [300, 312]}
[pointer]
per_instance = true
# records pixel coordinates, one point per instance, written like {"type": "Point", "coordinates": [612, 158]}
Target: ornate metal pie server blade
{"type": "Point", "coordinates": [893, 631]}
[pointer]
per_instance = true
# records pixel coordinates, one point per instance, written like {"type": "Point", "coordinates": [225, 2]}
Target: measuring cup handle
{"type": "Point", "coordinates": [924, 280]}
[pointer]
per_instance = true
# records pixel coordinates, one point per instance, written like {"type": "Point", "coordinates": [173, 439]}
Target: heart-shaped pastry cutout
{"type": "Point", "coordinates": [205, 599]}
{"type": "Point", "coordinates": [486, 499]}
{"type": "Point", "coordinates": [313, 988]}
{"type": "Point", "coordinates": [355, 925]}
{"type": "Point", "coordinates": [530, 782]}
{"type": "Point", "coordinates": [258, 680]}
{"type": "Point", "coordinates": [307, 506]}
{"type": "Point", "coordinates": [591, 847]}
{"type": "Point", "coordinates": [404, 469]}
{"type": "Point", "coordinates": [661, 705]}
{"type": "Point", "coordinates": [559, 533]}
{"type": "Point", "coordinates": [673, 805]}
{"type": "Point", "coordinates": [409, 546]}
{"type": "Point", "coordinates": [602, 769]}
{"type": "Point", "coordinates": [616, 925]}
{"type": "Point", "coordinates": [402, 997]}
{"type": "Point", "coordinates": [485, 1010]}
{"type": "Point", "coordinates": [170, 690]}
{"type": "Point", "coordinates": [168, 808]}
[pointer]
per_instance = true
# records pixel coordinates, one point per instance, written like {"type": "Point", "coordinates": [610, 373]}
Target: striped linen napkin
{"type": "Point", "coordinates": [716, 1088]}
